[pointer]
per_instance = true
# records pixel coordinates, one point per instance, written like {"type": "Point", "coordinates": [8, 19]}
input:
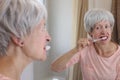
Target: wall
{"type": "Point", "coordinates": [60, 28]}
{"type": "Point", "coordinates": [106, 4]}
{"type": "Point", "coordinates": [28, 73]}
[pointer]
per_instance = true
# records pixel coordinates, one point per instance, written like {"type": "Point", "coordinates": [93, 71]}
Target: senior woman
{"type": "Point", "coordinates": [23, 37]}
{"type": "Point", "coordinates": [98, 56]}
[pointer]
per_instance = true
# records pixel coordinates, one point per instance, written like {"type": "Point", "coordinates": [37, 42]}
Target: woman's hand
{"type": "Point", "coordinates": [83, 42]}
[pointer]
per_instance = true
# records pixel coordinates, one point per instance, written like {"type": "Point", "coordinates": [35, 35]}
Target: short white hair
{"type": "Point", "coordinates": [18, 18]}
{"type": "Point", "coordinates": [94, 16]}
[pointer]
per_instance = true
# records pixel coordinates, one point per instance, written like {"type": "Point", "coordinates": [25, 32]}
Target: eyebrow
{"type": "Point", "coordinates": [101, 25]}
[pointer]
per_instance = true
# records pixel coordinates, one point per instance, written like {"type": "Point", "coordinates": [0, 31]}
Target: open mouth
{"type": "Point", "coordinates": [47, 48]}
{"type": "Point", "coordinates": [103, 38]}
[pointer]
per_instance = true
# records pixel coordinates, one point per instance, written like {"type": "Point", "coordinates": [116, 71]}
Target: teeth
{"type": "Point", "coordinates": [47, 48]}
{"type": "Point", "coordinates": [103, 38]}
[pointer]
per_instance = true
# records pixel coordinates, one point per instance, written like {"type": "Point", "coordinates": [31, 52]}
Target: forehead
{"type": "Point", "coordinates": [103, 22]}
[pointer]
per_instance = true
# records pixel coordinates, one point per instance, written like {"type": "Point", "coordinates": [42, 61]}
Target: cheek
{"type": "Point", "coordinates": [95, 34]}
{"type": "Point", "coordinates": [110, 31]}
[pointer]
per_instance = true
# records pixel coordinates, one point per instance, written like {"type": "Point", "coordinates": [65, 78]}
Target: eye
{"type": "Point", "coordinates": [106, 26]}
{"type": "Point", "coordinates": [97, 27]}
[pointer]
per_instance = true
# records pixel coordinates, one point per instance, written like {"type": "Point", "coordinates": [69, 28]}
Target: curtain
{"type": "Point", "coordinates": [80, 7]}
{"type": "Point", "coordinates": [116, 12]}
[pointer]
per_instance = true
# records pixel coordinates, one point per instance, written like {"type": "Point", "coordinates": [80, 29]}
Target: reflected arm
{"type": "Point", "coordinates": [66, 60]}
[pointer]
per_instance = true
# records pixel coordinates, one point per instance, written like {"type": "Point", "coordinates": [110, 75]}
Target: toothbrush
{"type": "Point", "coordinates": [99, 39]}
{"type": "Point", "coordinates": [75, 50]}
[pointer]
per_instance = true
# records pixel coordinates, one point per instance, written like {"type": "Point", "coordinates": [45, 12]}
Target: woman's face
{"type": "Point", "coordinates": [102, 29]}
{"type": "Point", "coordinates": [35, 43]}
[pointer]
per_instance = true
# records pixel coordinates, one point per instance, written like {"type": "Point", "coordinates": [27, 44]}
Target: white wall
{"type": "Point", "coordinates": [28, 73]}
{"type": "Point", "coordinates": [41, 70]}
{"type": "Point", "coordinates": [105, 4]}
{"type": "Point", "coordinates": [60, 28]}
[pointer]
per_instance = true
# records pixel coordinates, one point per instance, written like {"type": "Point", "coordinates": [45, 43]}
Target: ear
{"type": "Point", "coordinates": [17, 41]}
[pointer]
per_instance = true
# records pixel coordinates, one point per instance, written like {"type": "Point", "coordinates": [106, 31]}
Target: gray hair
{"type": "Point", "coordinates": [18, 18]}
{"type": "Point", "coordinates": [94, 16]}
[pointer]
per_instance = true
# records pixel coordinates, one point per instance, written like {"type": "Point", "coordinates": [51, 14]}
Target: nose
{"type": "Point", "coordinates": [48, 38]}
{"type": "Point", "coordinates": [103, 30]}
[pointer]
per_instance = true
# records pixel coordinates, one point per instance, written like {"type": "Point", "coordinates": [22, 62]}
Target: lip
{"type": "Point", "coordinates": [47, 47]}
{"type": "Point", "coordinates": [104, 38]}
{"type": "Point", "coordinates": [44, 48]}
{"type": "Point", "coordinates": [44, 51]}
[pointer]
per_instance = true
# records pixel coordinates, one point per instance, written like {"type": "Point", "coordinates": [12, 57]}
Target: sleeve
{"type": "Point", "coordinates": [78, 57]}
{"type": "Point", "coordinates": [118, 72]}
{"type": "Point", "coordinates": [70, 58]}
{"type": "Point", "coordinates": [75, 59]}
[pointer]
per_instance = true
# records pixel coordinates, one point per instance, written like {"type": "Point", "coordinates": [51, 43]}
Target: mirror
{"type": "Point", "coordinates": [60, 26]}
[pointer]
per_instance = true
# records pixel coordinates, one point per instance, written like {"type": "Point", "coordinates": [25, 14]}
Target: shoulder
{"type": "Point", "coordinates": [117, 52]}
{"type": "Point", "coordinates": [118, 49]}
{"type": "Point", "coordinates": [118, 46]}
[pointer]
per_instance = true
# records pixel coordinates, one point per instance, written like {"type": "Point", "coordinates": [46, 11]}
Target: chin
{"type": "Point", "coordinates": [43, 58]}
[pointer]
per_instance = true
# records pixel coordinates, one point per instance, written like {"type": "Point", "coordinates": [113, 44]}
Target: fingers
{"type": "Point", "coordinates": [82, 43]}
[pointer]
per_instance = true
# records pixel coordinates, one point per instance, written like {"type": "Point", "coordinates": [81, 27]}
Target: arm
{"type": "Point", "coordinates": [71, 57]}
{"type": "Point", "coordinates": [65, 60]}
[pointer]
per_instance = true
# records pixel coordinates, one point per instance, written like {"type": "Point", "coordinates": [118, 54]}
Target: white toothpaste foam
{"type": "Point", "coordinates": [47, 48]}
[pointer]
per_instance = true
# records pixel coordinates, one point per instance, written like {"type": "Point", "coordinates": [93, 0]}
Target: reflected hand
{"type": "Point", "coordinates": [83, 42]}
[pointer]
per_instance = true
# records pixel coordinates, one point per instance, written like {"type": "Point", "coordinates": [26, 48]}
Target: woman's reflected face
{"type": "Point", "coordinates": [102, 29]}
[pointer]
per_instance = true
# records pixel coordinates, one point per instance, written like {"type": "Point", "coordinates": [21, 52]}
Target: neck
{"type": "Point", "coordinates": [13, 64]}
{"type": "Point", "coordinates": [106, 50]}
